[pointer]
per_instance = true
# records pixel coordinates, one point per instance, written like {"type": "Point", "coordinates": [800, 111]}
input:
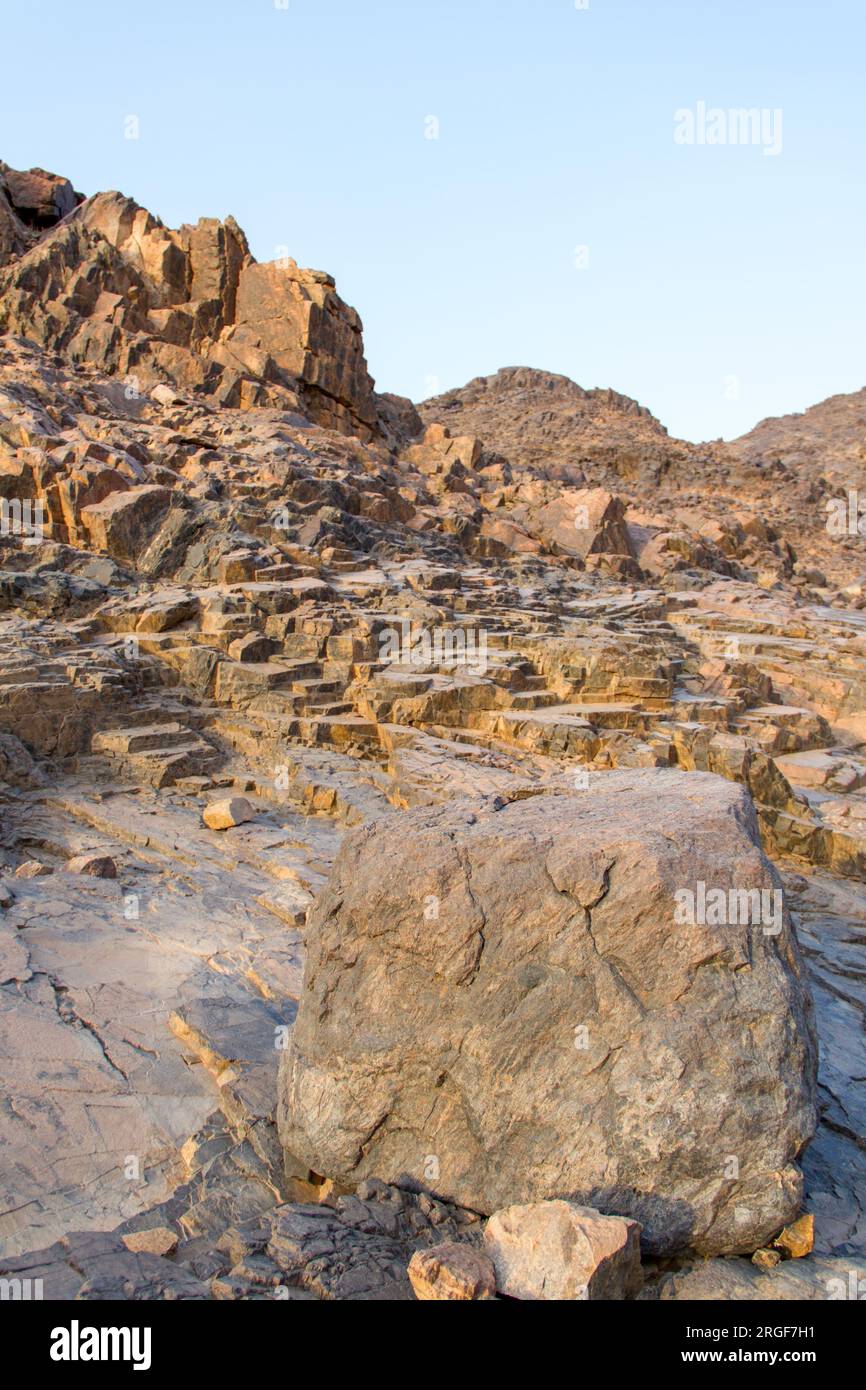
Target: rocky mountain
{"type": "Point", "coordinates": [101, 281]}
{"type": "Point", "coordinates": [827, 440]}
{"type": "Point", "coordinates": [432, 843]}
{"type": "Point", "coordinates": [548, 423]}
{"type": "Point", "coordinates": [782, 478]}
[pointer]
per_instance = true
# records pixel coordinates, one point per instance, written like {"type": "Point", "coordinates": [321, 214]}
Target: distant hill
{"type": "Point", "coordinates": [828, 438]}
{"type": "Point", "coordinates": [547, 422]}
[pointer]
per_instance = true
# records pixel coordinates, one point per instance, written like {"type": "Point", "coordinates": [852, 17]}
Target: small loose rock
{"type": "Point", "coordinates": [451, 1272]}
{"type": "Point", "coordinates": [159, 1240]}
{"type": "Point", "coordinates": [33, 868]}
{"type": "Point", "coordinates": [223, 815]}
{"type": "Point", "coordinates": [96, 865]}
{"type": "Point", "coordinates": [798, 1239]}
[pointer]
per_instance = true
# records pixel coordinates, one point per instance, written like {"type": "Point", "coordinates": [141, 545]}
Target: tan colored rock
{"type": "Point", "coordinates": [798, 1239]}
{"type": "Point", "coordinates": [295, 319]}
{"type": "Point", "coordinates": [158, 1240]}
{"type": "Point", "coordinates": [252, 647]}
{"type": "Point", "coordinates": [40, 199]}
{"type": "Point", "coordinates": [766, 1258]}
{"type": "Point", "coordinates": [583, 522]}
{"type": "Point", "coordinates": [328, 1191]}
{"type": "Point", "coordinates": [500, 537]}
{"type": "Point", "coordinates": [124, 522]}
{"type": "Point", "coordinates": [452, 1272]}
{"type": "Point", "coordinates": [560, 1250]}
{"type": "Point", "coordinates": [165, 395]}
{"type": "Point", "coordinates": [33, 868]}
{"type": "Point", "coordinates": [217, 252]}
{"type": "Point", "coordinates": [544, 902]}
{"type": "Point", "coordinates": [223, 815]}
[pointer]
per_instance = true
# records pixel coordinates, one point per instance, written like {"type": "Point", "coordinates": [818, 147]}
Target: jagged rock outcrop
{"type": "Point", "coordinates": [108, 285]}
{"type": "Point", "coordinates": [38, 198]}
{"type": "Point", "coordinates": [537, 1024]}
{"type": "Point", "coordinates": [295, 324]}
{"type": "Point", "coordinates": [30, 202]}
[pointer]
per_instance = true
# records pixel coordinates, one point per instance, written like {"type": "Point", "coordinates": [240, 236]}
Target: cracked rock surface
{"type": "Point", "coordinates": [549, 1029]}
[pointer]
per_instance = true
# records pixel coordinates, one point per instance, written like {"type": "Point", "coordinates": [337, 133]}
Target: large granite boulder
{"type": "Point", "coordinates": [507, 1002]}
{"type": "Point", "coordinates": [103, 281]}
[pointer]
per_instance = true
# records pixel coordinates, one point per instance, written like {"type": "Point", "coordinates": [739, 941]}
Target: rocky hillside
{"type": "Point", "coordinates": [549, 424]}
{"type": "Point", "coordinates": [426, 842]}
{"type": "Point", "coordinates": [827, 440]}
{"type": "Point", "coordinates": [779, 479]}
{"type": "Point", "coordinates": [101, 281]}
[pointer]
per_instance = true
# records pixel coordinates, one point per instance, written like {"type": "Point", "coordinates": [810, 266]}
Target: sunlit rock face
{"type": "Point", "coordinates": [105, 282]}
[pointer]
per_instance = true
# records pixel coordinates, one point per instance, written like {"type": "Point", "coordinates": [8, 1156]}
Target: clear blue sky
{"type": "Point", "coordinates": [556, 130]}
